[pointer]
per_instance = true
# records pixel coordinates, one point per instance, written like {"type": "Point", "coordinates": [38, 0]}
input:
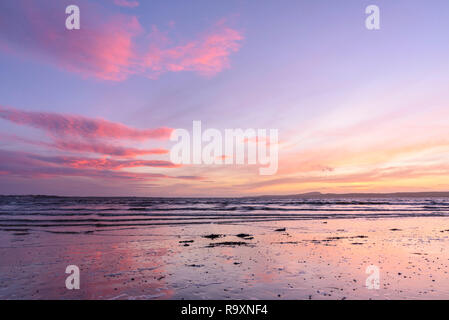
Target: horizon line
{"type": "Point", "coordinates": [298, 195]}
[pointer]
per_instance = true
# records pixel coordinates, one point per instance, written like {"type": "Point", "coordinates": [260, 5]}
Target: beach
{"type": "Point", "coordinates": [314, 255]}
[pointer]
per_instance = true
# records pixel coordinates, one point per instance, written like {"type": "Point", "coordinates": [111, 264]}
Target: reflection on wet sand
{"type": "Point", "coordinates": [310, 259]}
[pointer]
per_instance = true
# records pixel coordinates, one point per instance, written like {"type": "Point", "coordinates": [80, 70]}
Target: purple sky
{"type": "Point", "coordinates": [89, 111]}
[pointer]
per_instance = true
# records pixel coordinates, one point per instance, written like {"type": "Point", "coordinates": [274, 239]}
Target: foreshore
{"type": "Point", "coordinates": [310, 259]}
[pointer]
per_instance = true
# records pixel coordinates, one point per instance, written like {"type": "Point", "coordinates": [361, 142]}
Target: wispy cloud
{"type": "Point", "coordinates": [28, 165]}
{"type": "Point", "coordinates": [207, 55]}
{"type": "Point", "coordinates": [105, 149]}
{"type": "Point", "coordinates": [92, 146]}
{"type": "Point", "coordinates": [110, 46]}
{"type": "Point", "coordinates": [58, 125]}
{"type": "Point", "coordinates": [102, 48]}
{"type": "Point", "coordinates": [127, 3]}
{"type": "Point", "coordinates": [72, 134]}
{"type": "Point", "coordinates": [103, 164]}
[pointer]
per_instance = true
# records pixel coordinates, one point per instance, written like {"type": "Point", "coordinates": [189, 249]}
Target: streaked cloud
{"type": "Point", "coordinates": [57, 125]}
{"type": "Point", "coordinates": [92, 146]}
{"type": "Point", "coordinates": [28, 165]}
{"type": "Point", "coordinates": [72, 137]}
{"type": "Point", "coordinates": [104, 163]}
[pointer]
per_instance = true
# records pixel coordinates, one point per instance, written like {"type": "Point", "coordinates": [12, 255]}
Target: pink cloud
{"type": "Point", "coordinates": [207, 55]}
{"type": "Point", "coordinates": [58, 125]}
{"type": "Point", "coordinates": [104, 164]}
{"type": "Point", "coordinates": [82, 135]}
{"type": "Point", "coordinates": [106, 149]}
{"type": "Point", "coordinates": [27, 165]}
{"type": "Point", "coordinates": [109, 46]}
{"type": "Point", "coordinates": [102, 48]}
{"type": "Point", "coordinates": [98, 147]}
{"type": "Point", "coordinates": [126, 3]}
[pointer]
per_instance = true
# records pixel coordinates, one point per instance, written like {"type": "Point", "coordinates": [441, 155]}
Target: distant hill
{"type": "Point", "coordinates": [319, 195]}
{"type": "Point", "coordinates": [309, 195]}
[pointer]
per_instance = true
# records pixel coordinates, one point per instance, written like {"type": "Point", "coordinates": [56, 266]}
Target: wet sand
{"type": "Point", "coordinates": [310, 259]}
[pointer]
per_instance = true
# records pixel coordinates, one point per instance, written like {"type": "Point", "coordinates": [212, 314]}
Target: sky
{"type": "Point", "coordinates": [90, 112]}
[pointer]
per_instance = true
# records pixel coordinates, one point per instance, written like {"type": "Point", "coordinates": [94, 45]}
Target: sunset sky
{"type": "Point", "coordinates": [89, 112]}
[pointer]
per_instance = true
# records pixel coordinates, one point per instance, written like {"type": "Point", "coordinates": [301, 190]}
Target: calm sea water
{"type": "Point", "coordinates": [161, 248]}
{"type": "Point", "coordinates": [76, 214]}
